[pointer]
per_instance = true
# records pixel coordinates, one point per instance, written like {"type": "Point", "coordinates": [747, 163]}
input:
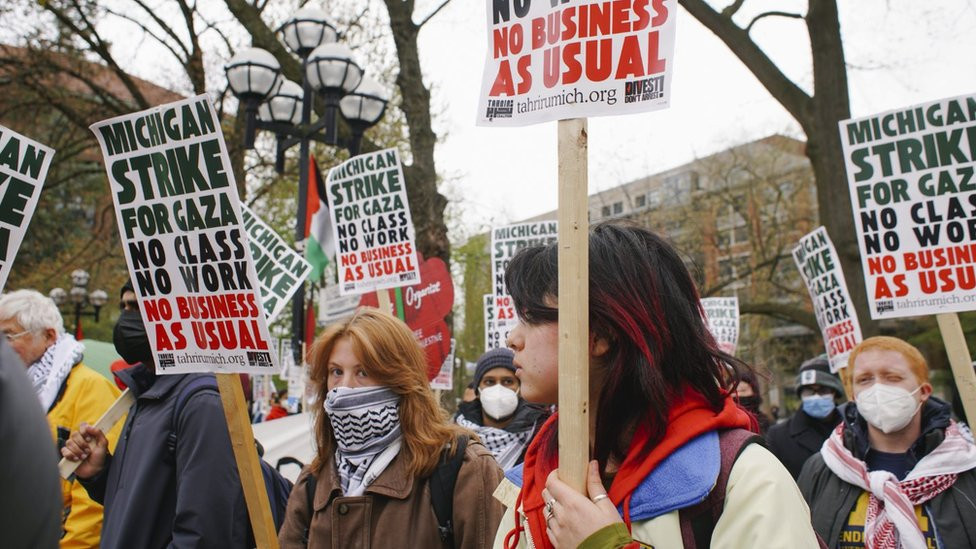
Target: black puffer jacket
{"type": "Point", "coordinates": [832, 500]}
{"type": "Point", "coordinates": [154, 499]}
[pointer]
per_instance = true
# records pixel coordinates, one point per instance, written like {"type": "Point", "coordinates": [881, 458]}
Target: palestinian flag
{"type": "Point", "coordinates": [319, 241]}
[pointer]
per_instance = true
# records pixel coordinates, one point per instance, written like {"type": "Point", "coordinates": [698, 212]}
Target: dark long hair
{"type": "Point", "coordinates": [644, 303]}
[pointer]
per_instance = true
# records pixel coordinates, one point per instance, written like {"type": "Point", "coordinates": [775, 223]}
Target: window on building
{"type": "Point", "coordinates": [640, 201]}
{"type": "Point", "coordinates": [741, 234]}
{"type": "Point", "coordinates": [618, 208]}
{"type": "Point", "coordinates": [605, 211]}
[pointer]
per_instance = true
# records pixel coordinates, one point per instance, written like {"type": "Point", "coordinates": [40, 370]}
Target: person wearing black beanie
{"type": "Point", "coordinates": [503, 420]}
{"type": "Point", "coordinates": [793, 441]}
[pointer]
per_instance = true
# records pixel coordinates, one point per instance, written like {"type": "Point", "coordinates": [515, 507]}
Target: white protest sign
{"type": "Point", "coordinates": [375, 246]}
{"type": "Point", "coordinates": [281, 270]}
{"type": "Point", "coordinates": [497, 329]}
{"type": "Point", "coordinates": [549, 60]}
{"type": "Point", "coordinates": [445, 377]}
{"type": "Point", "coordinates": [179, 221]}
{"type": "Point", "coordinates": [722, 315]}
{"type": "Point", "coordinates": [23, 169]}
{"type": "Point", "coordinates": [334, 306]}
{"type": "Point", "coordinates": [914, 199]}
{"type": "Point", "coordinates": [819, 266]}
{"type": "Point", "coordinates": [506, 241]}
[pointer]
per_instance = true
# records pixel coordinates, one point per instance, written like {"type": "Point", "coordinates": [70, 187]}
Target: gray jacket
{"type": "Point", "coordinates": [156, 498]}
{"type": "Point", "coordinates": [832, 500]}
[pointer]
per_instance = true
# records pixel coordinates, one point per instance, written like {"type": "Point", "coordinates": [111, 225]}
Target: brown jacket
{"type": "Point", "coordinates": [396, 510]}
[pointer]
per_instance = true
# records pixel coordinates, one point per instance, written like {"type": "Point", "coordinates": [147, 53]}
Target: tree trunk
{"type": "Point", "coordinates": [831, 104]}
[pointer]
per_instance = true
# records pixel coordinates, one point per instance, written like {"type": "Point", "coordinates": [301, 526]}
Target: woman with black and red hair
{"type": "Point", "coordinates": [672, 461]}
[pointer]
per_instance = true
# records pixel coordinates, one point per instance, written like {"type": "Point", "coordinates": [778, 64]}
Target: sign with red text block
{"type": "Point", "coordinates": [180, 223]}
{"type": "Point", "coordinates": [374, 234]}
{"type": "Point", "coordinates": [550, 60]}
{"type": "Point", "coordinates": [820, 268]}
{"type": "Point", "coordinates": [913, 192]}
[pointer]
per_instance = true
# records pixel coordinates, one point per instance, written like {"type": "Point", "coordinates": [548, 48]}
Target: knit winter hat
{"type": "Point", "coordinates": [495, 358]}
{"type": "Point", "coordinates": [816, 371]}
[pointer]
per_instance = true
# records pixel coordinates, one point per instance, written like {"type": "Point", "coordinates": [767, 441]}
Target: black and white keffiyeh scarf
{"type": "Point", "coordinates": [49, 372]}
{"type": "Point", "coordinates": [366, 423]}
{"type": "Point", "coordinates": [505, 446]}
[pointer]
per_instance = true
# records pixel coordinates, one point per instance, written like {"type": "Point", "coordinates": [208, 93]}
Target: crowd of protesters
{"type": "Point", "coordinates": [682, 454]}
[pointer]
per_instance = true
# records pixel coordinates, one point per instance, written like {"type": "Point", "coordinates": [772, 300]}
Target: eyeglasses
{"type": "Point", "coordinates": [128, 305]}
{"type": "Point", "coordinates": [11, 337]}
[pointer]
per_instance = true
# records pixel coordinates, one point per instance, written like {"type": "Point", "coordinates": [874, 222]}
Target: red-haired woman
{"type": "Point", "coordinates": [673, 464]}
{"type": "Point", "coordinates": [380, 436]}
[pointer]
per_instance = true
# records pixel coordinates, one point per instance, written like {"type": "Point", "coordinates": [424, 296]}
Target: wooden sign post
{"type": "Point", "coordinates": [383, 296]}
{"type": "Point", "coordinates": [248, 463]}
{"type": "Point", "coordinates": [959, 361]}
{"type": "Point", "coordinates": [574, 301]}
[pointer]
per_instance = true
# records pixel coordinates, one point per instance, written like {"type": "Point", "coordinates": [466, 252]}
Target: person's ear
{"type": "Point", "coordinates": [50, 336]}
{"type": "Point", "coordinates": [599, 345]}
{"type": "Point", "coordinates": [925, 391]}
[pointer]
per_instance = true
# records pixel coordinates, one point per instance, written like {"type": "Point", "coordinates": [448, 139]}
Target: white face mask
{"type": "Point", "coordinates": [887, 407]}
{"type": "Point", "coordinates": [498, 401]}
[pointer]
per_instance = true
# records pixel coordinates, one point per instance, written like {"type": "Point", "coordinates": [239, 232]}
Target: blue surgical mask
{"type": "Point", "coordinates": [818, 406]}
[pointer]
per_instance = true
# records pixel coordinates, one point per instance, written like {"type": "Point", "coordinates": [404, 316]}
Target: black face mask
{"type": "Point", "coordinates": [130, 338]}
{"type": "Point", "coordinates": [750, 403]}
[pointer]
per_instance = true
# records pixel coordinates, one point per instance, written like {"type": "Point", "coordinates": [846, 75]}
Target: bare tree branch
{"type": "Point", "coordinates": [433, 13]}
{"type": "Point", "coordinates": [794, 99]}
{"type": "Point", "coordinates": [771, 14]}
{"type": "Point", "coordinates": [732, 8]}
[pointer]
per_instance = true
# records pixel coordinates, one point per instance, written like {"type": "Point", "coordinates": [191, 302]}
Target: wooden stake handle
{"type": "Point", "coordinates": [248, 463]}
{"type": "Point", "coordinates": [574, 300]}
{"type": "Point", "coordinates": [383, 296]}
{"type": "Point", "coordinates": [959, 361]}
{"type": "Point", "coordinates": [115, 412]}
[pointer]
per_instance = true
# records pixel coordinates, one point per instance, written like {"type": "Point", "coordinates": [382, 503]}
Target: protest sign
{"type": "Point", "coordinates": [914, 199]}
{"type": "Point", "coordinates": [179, 221]}
{"type": "Point", "coordinates": [333, 306]}
{"type": "Point", "coordinates": [423, 307]}
{"type": "Point", "coordinates": [500, 318]}
{"type": "Point", "coordinates": [506, 241]}
{"type": "Point", "coordinates": [281, 270]}
{"type": "Point", "coordinates": [549, 60]}
{"type": "Point", "coordinates": [820, 268]}
{"type": "Point", "coordinates": [374, 235]}
{"type": "Point", "coordinates": [444, 380]}
{"type": "Point", "coordinates": [23, 169]}
{"type": "Point", "coordinates": [722, 315]}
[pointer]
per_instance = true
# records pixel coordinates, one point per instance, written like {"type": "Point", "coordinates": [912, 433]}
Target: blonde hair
{"type": "Point", "coordinates": [916, 362]}
{"type": "Point", "coordinates": [391, 356]}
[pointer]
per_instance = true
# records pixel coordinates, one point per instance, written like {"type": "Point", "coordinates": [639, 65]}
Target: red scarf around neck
{"type": "Point", "coordinates": [690, 416]}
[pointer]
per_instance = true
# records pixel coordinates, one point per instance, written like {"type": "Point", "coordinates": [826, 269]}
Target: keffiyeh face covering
{"type": "Point", "coordinates": [366, 424]}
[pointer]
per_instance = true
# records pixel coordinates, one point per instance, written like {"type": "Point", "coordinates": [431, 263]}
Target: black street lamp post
{"type": "Point", "coordinates": [274, 104]}
{"type": "Point", "coordinates": [80, 298]}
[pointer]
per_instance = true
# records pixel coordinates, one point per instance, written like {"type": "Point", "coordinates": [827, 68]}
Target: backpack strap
{"type": "Point", "coordinates": [442, 483]}
{"type": "Point", "coordinates": [190, 388]}
{"type": "Point", "coordinates": [698, 521]}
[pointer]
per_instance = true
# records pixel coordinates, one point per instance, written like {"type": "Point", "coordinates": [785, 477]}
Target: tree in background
{"type": "Point", "coordinates": [817, 112]}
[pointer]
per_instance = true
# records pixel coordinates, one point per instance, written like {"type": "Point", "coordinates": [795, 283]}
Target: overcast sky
{"type": "Point", "coordinates": [899, 53]}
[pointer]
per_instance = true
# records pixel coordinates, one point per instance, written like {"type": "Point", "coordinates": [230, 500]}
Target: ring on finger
{"type": "Point", "coordinates": [549, 510]}
{"type": "Point", "coordinates": [599, 498]}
